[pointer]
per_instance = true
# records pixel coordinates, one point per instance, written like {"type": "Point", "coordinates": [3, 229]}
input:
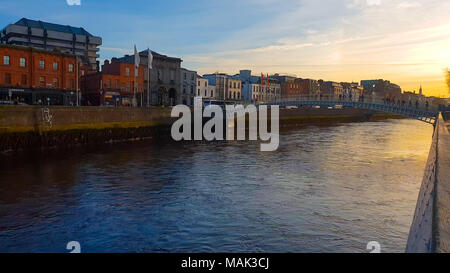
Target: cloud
{"type": "Point", "coordinates": [409, 4]}
{"type": "Point", "coordinates": [73, 2]}
{"type": "Point", "coordinates": [362, 4]}
{"type": "Point", "coordinates": [116, 50]}
{"type": "Point", "coordinates": [373, 2]}
{"type": "Point", "coordinates": [330, 39]}
{"type": "Point", "coordinates": [378, 41]}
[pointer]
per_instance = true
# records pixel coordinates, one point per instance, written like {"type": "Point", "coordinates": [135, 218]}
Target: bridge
{"type": "Point", "coordinates": [420, 112]}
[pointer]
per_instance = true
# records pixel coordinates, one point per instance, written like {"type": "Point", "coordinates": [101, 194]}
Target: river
{"type": "Point", "coordinates": [327, 189]}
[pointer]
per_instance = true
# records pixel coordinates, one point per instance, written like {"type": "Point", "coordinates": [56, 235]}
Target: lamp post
{"type": "Point", "coordinates": [77, 84]}
{"type": "Point", "coordinates": [134, 88]}
{"type": "Point", "coordinates": [148, 86]}
{"type": "Point", "coordinates": [373, 93]}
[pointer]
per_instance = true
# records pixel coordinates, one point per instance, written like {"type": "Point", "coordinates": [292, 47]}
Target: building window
{"type": "Point", "coordinates": [206, 83]}
{"type": "Point", "coordinates": [72, 84]}
{"type": "Point", "coordinates": [42, 64]}
{"type": "Point", "coordinates": [212, 93]}
{"type": "Point", "coordinates": [172, 75]}
{"type": "Point", "coordinates": [70, 67]}
{"type": "Point", "coordinates": [55, 66]}
{"type": "Point", "coordinates": [117, 84]}
{"type": "Point", "coordinates": [55, 82]}
{"type": "Point", "coordinates": [23, 62]}
{"type": "Point", "coordinates": [192, 89]}
{"type": "Point", "coordinates": [185, 76]}
{"type": "Point", "coordinates": [205, 93]}
{"type": "Point", "coordinates": [8, 78]}
{"type": "Point", "coordinates": [128, 87]}
{"type": "Point", "coordinates": [24, 79]}
{"type": "Point", "coordinates": [6, 60]}
{"type": "Point", "coordinates": [127, 71]}
{"type": "Point", "coordinates": [42, 81]}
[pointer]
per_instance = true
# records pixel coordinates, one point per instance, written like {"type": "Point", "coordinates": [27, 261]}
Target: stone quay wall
{"type": "Point", "coordinates": [31, 127]}
{"type": "Point", "coordinates": [34, 127]}
{"type": "Point", "coordinates": [430, 229]}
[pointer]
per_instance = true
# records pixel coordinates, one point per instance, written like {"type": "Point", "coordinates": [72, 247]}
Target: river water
{"type": "Point", "coordinates": [327, 189]}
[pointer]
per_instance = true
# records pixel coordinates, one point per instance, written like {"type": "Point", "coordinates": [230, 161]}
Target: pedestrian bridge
{"type": "Point", "coordinates": [424, 115]}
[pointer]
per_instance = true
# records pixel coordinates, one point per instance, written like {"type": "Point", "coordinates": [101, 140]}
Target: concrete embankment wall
{"type": "Point", "coordinates": [31, 127]}
{"type": "Point", "coordinates": [430, 229]}
{"type": "Point", "coordinates": [317, 115]}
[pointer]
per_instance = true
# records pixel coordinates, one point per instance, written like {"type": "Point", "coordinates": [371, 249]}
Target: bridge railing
{"type": "Point", "coordinates": [419, 105]}
{"type": "Point", "coordinates": [411, 109]}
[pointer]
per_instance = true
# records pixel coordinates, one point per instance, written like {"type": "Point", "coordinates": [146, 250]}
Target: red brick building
{"type": "Point", "coordinates": [114, 85]}
{"type": "Point", "coordinates": [303, 86]}
{"type": "Point", "coordinates": [33, 76]}
{"type": "Point", "coordinates": [309, 88]}
{"type": "Point", "coordinates": [291, 89]}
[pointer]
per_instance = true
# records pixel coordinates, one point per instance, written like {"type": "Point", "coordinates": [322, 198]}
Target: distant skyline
{"type": "Point", "coordinates": [406, 42]}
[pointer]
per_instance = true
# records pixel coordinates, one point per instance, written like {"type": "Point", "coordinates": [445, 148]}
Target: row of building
{"type": "Point", "coordinates": [45, 63]}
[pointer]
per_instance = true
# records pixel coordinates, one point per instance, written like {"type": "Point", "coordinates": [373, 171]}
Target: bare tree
{"type": "Point", "coordinates": [447, 77]}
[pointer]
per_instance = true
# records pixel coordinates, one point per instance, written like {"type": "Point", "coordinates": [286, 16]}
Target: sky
{"type": "Point", "coordinates": [404, 41]}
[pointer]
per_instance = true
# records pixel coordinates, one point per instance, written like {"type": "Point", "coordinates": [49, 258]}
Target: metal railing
{"type": "Point", "coordinates": [410, 109]}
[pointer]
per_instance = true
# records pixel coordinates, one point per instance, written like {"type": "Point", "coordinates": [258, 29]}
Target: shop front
{"type": "Point", "coordinates": [111, 99]}
{"type": "Point", "coordinates": [37, 97]}
{"type": "Point", "coordinates": [114, 98]}
{"type": "Point", "coordinates": [15, 96]}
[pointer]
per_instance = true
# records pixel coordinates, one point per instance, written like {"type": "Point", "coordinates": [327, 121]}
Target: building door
{"type": "Point", "coordinates": [172, 96]}
{"type": "Point", "coordinates": [163, 96]}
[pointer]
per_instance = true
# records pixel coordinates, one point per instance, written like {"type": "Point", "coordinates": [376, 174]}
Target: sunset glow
{"type": "Point", "coordinates": [406, 42]}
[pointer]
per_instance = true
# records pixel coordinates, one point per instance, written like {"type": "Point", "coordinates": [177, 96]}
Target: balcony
{"type": "Point", "coordinates": [93, 55]}
{"type": "Point", "coordinates": [17, 39]}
